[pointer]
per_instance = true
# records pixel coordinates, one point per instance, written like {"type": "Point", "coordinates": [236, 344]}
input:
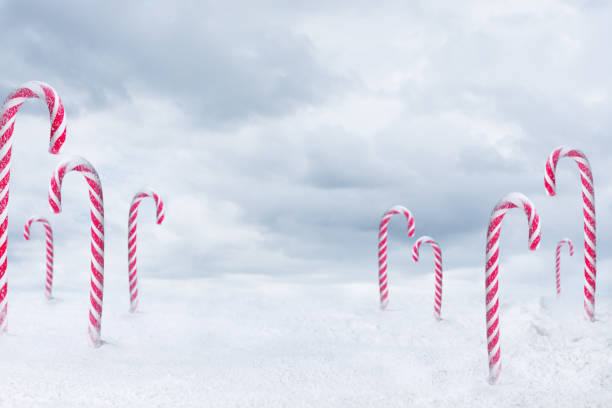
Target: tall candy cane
{"type": "Point", "coordinates": [49, 239]}
{"type": "Point", "coordinates": [159, 204]}
{"type": "Point", "coordinates": [96, 294]}
{"type": "Point", "coordinates": [588, 213]}
{"type": "Point", "coordinates": [438, 266]}
{"type": "Point", "coordinates": [382, 248]}
{"type": "Point", "coordinates": [512, 200]}
{"type": "Point", "coordinates": [9, 109]}
{"type": "Point", "coordinates": [558, 260]}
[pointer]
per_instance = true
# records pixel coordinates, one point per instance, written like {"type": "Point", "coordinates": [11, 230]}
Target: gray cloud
{"type": "Point", "coordinates": [220, 67]}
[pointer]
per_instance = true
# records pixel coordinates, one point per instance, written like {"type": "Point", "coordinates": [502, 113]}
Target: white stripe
{"type": "Point", "coordinates": [35, 87]}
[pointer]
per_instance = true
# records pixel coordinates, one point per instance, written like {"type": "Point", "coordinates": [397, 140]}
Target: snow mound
{"type": "Point", "coordinates": [259, 341]}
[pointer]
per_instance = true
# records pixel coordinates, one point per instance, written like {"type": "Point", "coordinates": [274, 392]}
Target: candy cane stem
{"type": "Point", "coordinates": [382, 248]}
{"type": "Point", "coordinates": [438, 267]}
{"type": "Point", "coordinates": [49, 249]}
{"type": "Point", "coordinates": [132, 226]}
{"type": "Point", "coordinates": [8, 111]}
{"type": "Point", "coordinates": [588, 215]}
{"type": "Point", "coordinates": [558, 261]}
{"type": "Point", "coordinates": [512, 200]}
{"type": "Point", "coordinates": [96, 294]}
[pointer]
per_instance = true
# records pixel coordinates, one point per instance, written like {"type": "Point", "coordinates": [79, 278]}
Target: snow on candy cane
{"type": "Point", "coordinates": [96, 294]}
{"type": "Point", "coordinates": [49, 245]}
{"type": "Point", "coordinates": [438, 267]}
{"type": "Point", "coordinates": [512, 200]}
{"type": "Point", "coordinates": [9, 110]}
{"type": "Point", "coordinates": [588, 213]}
{"type": "Point", "coordinates": [159, 204]}
{"type": "Point", "coordinates": [382, 248]}
{"type": "Point", "coordinates": [558, 260]}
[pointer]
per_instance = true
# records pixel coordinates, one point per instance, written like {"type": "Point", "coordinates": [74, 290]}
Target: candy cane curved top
{"type": "Point", "coordinates": [96, 294]}
{"type": "Point", "coordinates": [132, 226]}
{"type": "Point", "coordinates": [49, 245]}
{"type": "Point", "coordinates": [588, 213]}
{"type": "Point", "coordinates": [41, 90]}
{"type": "Point", "coordinates": [558, 260]}
{"type": "Point", "coordinates": [382, 248]}
{"type": "Point", "coordinates": [9, 110]}
{"type": "Point", "coordinates": [512, 200]}
{"type": "Point", "coordinates": [438, 267]}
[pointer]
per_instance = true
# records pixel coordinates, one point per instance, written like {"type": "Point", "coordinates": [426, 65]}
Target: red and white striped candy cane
{"type": "Point", "coordinates": [558, 260]}
{"type": "Point", "coordinates": [96, 294]}
{"type": "Point", "coordinates": [9, 109]}
{"type": "Point", "coordinates": [382, 248]}
{"type": "Point", "coordinates": [512, 200]}
{"type": "Point", "coordinates": [588, 213]}
{"type": "Point", "coordinates": [159, 204]}
{"type": "Point", "coordinates": [49, 242]}
{"type": "Point", "coordinates": [438, 266]}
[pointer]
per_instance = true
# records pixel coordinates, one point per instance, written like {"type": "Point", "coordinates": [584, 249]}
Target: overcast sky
{"type": "Point", "coordinates": [278, 134]}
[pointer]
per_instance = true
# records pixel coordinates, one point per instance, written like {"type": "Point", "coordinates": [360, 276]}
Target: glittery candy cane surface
{"type": "Point", "coordinates": [132, 227]}
{"type": "Point", "coordinates": [438, 269]}
{"type": "Point", "coordinates": [588, 214]}
{"type": "Point", "coordinates": [558, 261]}
{"type": "Point", "coordinates": [82, 166]}
{"type": "Point", "coordinates": [49, 250]}
{"type": "Point", "coordinates": [382, 248]}
{"type": "Point", "coordinates": [512, 200]}
{"type": "Point", "coordinates": [8, 113]}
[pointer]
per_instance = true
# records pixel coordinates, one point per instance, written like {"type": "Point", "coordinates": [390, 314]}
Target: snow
{"type": "Point", "coordinates": [252, 340]}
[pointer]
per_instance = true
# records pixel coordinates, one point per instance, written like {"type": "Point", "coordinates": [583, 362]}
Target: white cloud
{"type": "Point", "coordinates": [278, 135]}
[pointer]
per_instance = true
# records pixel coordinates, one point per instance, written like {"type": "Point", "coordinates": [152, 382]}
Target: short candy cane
{"type": "Point", "coordinates": [49, 245]}
{"type": "Point", "coordinates": [438, 267]}
{"type": "Point", "coordinates": [8, 111]}
{"type": "Point", "coordinates": [382, 248]}
{"type": "Point", "coordinates": [588, 214]}
{"type": "Point", "coordinates": [132, 225]}
{"type": "Point", "coordinates": [512, 200]}
{"type": "Point", "coordinates": [96, 294]}
{"type": "Point", "coordinates": [558, 260]}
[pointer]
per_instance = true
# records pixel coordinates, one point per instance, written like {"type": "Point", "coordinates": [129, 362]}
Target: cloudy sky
{"type": "Point", "coordinates": [279, 133]}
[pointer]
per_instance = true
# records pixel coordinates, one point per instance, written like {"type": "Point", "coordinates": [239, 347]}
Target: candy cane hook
{"type": "Point", "coordinates": [49, 245]}
{"type": "Point", "coordinates": [512, 200]}
{"type": "Point", "coordinates": [558, 260]}
{"type": "Point", "coordinates": [96, 294]}
{"type": "Point", "coordinates": [588, 213]}
{"type": "Point", "coordinates": [9, 110]}
{"type": "Point", "coordinates": [132, 225]}
{"type": "Point", "coordinates": [438, 267]}
{"type": "Point", "coordinates": [382, 248]}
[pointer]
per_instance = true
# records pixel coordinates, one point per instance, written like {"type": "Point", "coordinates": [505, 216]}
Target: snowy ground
{"type": "Point", "coordinates": [261, 341]}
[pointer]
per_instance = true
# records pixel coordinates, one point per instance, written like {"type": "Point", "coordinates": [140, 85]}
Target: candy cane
{"type": "Point", "coordinates": [512, 200]}
{"type": "Point", "coordinates": [9, 109]}
{"type": "Point", "coordinates": [49, 236]}
{"type": "Point", "coordinates": [159, 204]}
{"type": "Point", "coordinates": [97, 233]}
{"type": "Point", "coordinates": [438, 266]}
{"type": "Point", "coordinates": [588, 213]}
{"type": "Point", "coordinates": [382, 248]}
{"type": "Point", "coordinates": [558, 260]}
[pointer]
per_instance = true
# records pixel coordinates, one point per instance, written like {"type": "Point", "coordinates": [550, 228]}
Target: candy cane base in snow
{"type": "Point", "coordinates": [588, 213]}
{"type": "Point", "coordinates": [49, 246]}
{"type": "Point", "coordinates": [438, 266]}
{"type": "Point", "coordinates": [96, 293]}
{"type": "Point", "coordinates": [132, 226]}
{"type": "Point", "coordinates": [558, 260]}
{"type": "Point", "coordinates": [382, 248]}
{"type": "Point", "coordinates": [512, 200]}
{"type": "Point", "coordinates": [9, 110]}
